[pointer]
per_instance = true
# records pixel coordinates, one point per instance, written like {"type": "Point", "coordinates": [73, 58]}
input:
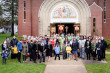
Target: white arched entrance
{"type": "Point", "coordinates": [81, 14]}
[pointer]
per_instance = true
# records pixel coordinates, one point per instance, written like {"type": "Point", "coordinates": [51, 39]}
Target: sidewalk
{"type": "Point", "coordinates": [65, 66]}
{"type": "Point", "coordinates": [107, 52]}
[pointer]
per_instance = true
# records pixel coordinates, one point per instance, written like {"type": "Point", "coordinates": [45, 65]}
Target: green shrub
{"type": "Point", "coordinates": [108, 42]}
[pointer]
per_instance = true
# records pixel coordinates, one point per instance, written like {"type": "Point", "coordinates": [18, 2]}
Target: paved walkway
{"type": "Point", "coordinates": [107, 52]}
{"type": "Point", "coordinates": [65, 66]}
{"type": "Point", "coordinates": [94, 61]}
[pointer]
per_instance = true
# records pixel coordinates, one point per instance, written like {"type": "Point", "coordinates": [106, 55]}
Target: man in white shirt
{"type": "Point", "coordinates": [81, 47]}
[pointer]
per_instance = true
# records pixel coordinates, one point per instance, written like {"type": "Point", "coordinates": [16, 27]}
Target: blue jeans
{"type": "Point", "coordinates": [42, 54]}
{"type": "Point", "coordinates": [24, 57]}
{"type": "Point", "coordinates": [68, 55]}
{"type": "Point", "coordinates": [64, 55]}
{"type": "Point", "coordinates": [82, 52]}
{"type": "Point", "coordinates": [4, 61]}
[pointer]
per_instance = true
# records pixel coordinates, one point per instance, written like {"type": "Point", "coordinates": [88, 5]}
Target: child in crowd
{"type": "Point", "coordinates": [57, 51]}
{"type": "Point", "coordinates": [15, 51]}
{"type": "Point", "coordinates": [68, 50]}
{"type": "Point", "coordinates": [4, 55]}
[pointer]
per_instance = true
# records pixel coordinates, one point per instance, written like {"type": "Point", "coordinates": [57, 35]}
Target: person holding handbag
{"type": "Point", "coordinates": [99, 49]}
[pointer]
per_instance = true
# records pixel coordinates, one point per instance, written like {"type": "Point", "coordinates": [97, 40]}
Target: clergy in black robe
{"type": "Point", "coordinates": [49, 50]}
{"type": "Point", "coordinates": [30, 44]}
{"type": "Point", "coordinates": [33, 52]}
{"type": "Point", "coordinates": [88, 48]}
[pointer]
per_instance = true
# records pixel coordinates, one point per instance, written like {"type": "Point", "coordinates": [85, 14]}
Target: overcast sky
{"type": "Point", "coordinates": [0, 1]}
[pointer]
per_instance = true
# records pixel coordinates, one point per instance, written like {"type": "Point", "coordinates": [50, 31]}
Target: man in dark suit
{"type": "Point", "coordinates": [104, 45]}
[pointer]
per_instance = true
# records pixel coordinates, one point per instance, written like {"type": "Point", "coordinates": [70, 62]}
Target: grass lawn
{"type": "Point", "coordinates": [99, 68]}
{"type": "Point", "coordinates": [13, 66]}
{"type": "Point", "coordinates": [3, 37]}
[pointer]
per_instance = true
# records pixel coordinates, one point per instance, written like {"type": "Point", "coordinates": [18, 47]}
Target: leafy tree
{"type": "Point", "coordinates": [0, 10]}
{"type": "Point", "coordinates": [3, 22]}
{"type": "Point", "coordinates": [10, 8]}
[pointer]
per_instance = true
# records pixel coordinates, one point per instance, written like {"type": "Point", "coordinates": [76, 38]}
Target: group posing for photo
{"type": "Point", "coordinates": [37, 48]}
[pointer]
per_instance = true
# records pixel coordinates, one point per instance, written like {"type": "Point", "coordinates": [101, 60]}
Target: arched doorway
{"type": "Point", "coordinates": [80, 7]}
{"type": "Point", "coordinates": [63, 16]}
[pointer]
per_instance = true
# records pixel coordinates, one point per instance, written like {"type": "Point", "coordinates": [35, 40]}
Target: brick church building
{"type": "Point", "coordinates": [86, 17]}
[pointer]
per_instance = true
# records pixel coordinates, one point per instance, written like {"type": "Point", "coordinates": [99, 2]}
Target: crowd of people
{"type": "Point", "coordinates": [39, 47]}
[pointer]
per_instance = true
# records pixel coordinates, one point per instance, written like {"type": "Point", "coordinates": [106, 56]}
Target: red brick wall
{"type": "Point", "coordinates": [35, 20]}
{"type": "Point", "coordinates": [96, 12]}
{"type": "Point", "coordinates": [106, 26]}
{"type": "Point", "coordinates": [24, 28]}
{"type": "Point", "coordinates": [32, 9]}
{"type": "Point", "coordinates": [31, 25]}
{"type": "Point", "coordinates": [90, 1]}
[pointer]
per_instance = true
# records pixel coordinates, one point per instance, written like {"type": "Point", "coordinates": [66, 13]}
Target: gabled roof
{"type": "Point", "coordinates": [94, 3]}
